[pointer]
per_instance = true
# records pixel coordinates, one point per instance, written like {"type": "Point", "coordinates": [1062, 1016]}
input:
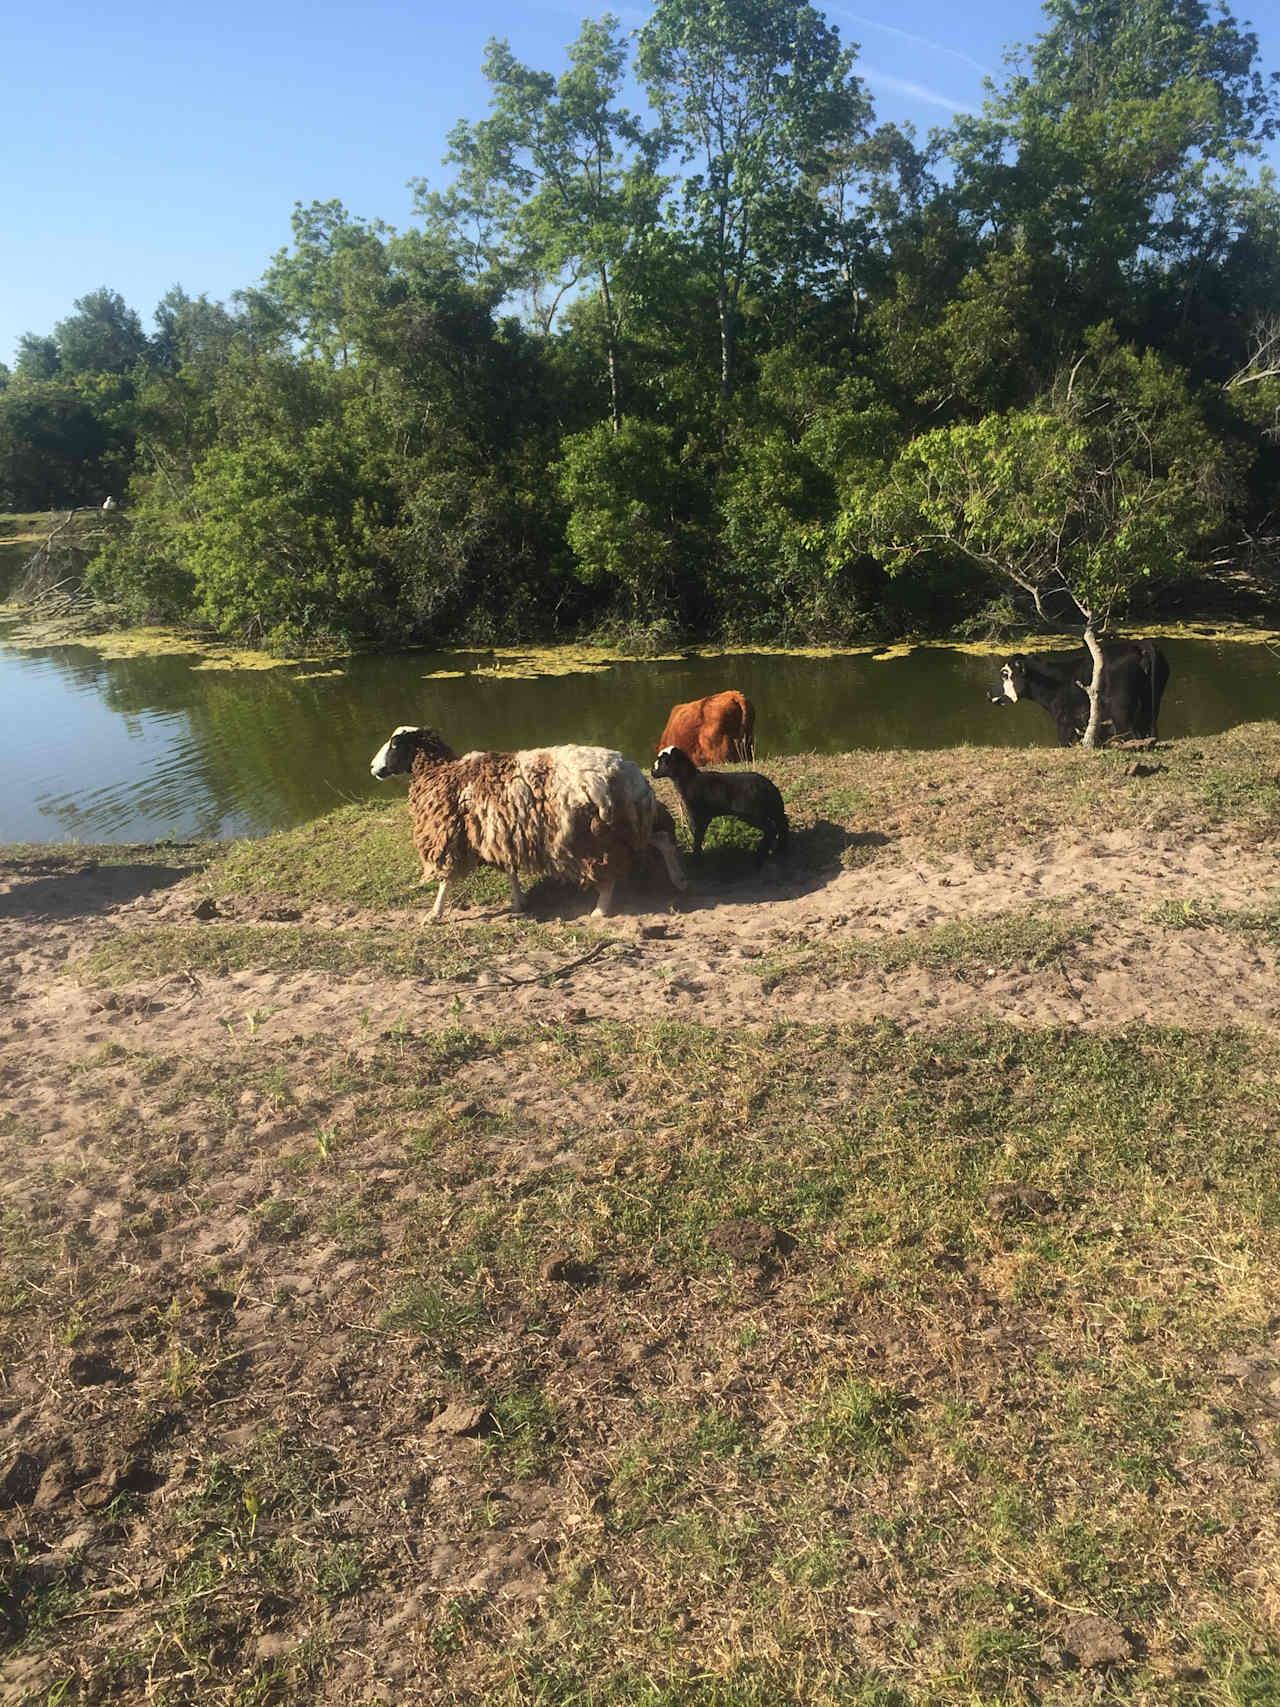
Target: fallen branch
{"type": "Point", "coordinates": [560, 971]}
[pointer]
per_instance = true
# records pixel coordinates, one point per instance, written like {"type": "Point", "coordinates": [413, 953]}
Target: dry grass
{"type": "Point", "coordinates": [596, 1362]}
{"type": "Point", "coordinates": [1007, 1361]}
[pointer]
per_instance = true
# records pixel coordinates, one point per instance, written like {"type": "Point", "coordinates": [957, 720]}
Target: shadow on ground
{"type": "Point", "coordinates": [52, 889]}
{"type": "Point", "coordinates": [731, 873]}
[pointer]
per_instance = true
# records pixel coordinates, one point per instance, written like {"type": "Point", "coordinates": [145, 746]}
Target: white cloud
{"type": "Point", "coordinates": [909, 35]}
{"type": "Point", "coordinates": [915, 91]}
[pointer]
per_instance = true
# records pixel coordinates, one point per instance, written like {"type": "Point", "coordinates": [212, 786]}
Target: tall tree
{"type": "Point", "coordinates": [1112, 480]}
{"type": "Point", "coordinates": [312, 285]}
{"type": "Point", "coordinates": [37, 357]}
{"type": "Point", "coordinates": [1103, 144]}
{"type": "Point", "coordinates": [558, 176]}
{"type": "Point", "coordinates": [104, 335]}
{"type": "Point", "coordinates": [192, 332]}
{"type": "Point", "coordinates": [760, 96]}
{"type": "Point", "coordinates": [55, 447]}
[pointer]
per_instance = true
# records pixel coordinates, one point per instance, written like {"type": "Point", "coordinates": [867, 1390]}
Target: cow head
{"type": "Point", "coordinates": [398, 754]}
{"type": "Point", "coordinates": [1013, 681]}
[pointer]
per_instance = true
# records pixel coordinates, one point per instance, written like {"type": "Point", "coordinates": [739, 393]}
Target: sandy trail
{"type": "Point", "coordinates": [701, 956]}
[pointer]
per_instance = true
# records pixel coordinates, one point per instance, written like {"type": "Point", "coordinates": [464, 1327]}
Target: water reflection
{"type": "Point", "coordinates": [139, 748]}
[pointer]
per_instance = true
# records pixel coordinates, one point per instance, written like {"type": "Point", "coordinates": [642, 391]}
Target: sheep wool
{"type": "Point", "coordinates": [579, 813]}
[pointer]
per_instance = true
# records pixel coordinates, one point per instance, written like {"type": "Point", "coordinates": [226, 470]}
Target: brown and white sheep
{"type": "Point", "coordinates": [580, 813]}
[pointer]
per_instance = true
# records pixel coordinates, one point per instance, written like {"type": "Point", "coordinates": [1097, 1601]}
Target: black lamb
{"type": "Point", "coordinates": [725, 794]}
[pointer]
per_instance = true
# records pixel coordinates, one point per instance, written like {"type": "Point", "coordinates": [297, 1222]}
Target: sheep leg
{"type": "Point", "coordinates": [517, 899]}
{"type": "Point", "coordinates": [439, 906]}
{"type": "Point", "coordinates": [667, 848]}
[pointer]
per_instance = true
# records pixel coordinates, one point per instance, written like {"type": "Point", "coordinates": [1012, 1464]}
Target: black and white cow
{"type": "Point", "coordinates": [1134, 676]}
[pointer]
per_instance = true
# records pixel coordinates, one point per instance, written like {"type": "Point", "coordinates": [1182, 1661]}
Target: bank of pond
{"type": "Point", "coordinates": [147, 746]}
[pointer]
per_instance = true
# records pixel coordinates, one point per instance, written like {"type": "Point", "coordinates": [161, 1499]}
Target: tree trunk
{"type": "Point", "coordinates": [1094, 689]}
{"type": "Point", "coordinates": [726, 344]}
{"type": "Point", "coordinates": [611, 349]}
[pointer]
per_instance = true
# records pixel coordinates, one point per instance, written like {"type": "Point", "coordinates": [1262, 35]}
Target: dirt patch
{"type": "Point", "coordinates": [772, 1290]}
{"type": "Point", "coordinates": [717, 956]}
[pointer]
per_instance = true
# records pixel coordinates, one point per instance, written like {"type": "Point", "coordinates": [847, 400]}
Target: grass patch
{"type": "Point", "coordinates": [303, 1339]}
{"type": "Point", "coordinates": [973, 801]}
{"type": "Point", "coordinates": [445, 951]}
{"type": "Point", "coordinates": [69, 858]}
{"type": "Point", "coordinates": [1261, 922]}
{"type": "Point", "coordinates": [972, 948]}
{"type": "Point", "coordinates": [856, 1421]}
{"type": "Point", "coordinates": [362, 855]}
{"type": "Point", "coordinates": [306, 1338]}
{"type": "Point", "coordinates": [523, 1436]}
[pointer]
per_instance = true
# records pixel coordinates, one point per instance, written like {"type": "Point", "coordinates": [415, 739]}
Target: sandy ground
{"type": "Point", "coordinates": [286, 1327]}
{"type": "Point", "coordinates": [700, 955]}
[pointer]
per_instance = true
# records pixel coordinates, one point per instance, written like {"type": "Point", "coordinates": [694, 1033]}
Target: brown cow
{"type": "Point", "coordinates": [713, 730]}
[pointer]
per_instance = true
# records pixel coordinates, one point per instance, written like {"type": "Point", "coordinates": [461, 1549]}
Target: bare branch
{"type": "Point", "coordinates": [1264, 358]}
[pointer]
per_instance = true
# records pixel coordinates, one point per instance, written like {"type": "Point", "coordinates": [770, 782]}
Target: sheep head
{"type": "Point", "coordinates": [397, 756]}
{"type": "Point", "coordinates": [675, 763]}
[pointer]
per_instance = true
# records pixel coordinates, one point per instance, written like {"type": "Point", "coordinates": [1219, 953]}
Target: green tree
{"type": "Point", "coordinates": [1256, 383]}
{"type": "Point", "coordinates": [192, 332]}
{"type": "Point", "coordinates": [558, 175]}
{"type": "Point", "coordinates": [1103, 147]}
{"type": "Point", "coordinates": [287, 546]}
{"type": "Point", "coordinates": [55, 447]}
{"type": "Point", "coordinates": [760, 94]}
{"type": "Point", "coordinates": [1111, 482]}
{"type": "Point", "coordinates": [633, 512]}
{"type": "Point", "coordinates": [781, 573]}
{"type": "Point", "coordinates": [104, 335]}
{"type": "Point", "coordinates": [873, 192]}
{"type": "Point", "coordinates": [312, 286]}
{"type": "Point", "coordinates": [37, 357]}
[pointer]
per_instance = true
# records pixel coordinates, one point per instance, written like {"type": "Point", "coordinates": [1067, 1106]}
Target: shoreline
{"type": "Point", "coordinates": [21, 628]}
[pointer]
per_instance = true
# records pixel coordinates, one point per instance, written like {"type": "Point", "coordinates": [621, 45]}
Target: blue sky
{"type": "Point", "coordinates": [144, 144]}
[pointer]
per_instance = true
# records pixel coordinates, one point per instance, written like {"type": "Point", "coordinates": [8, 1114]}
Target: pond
{"type": "Point", "coordinates": [142, 748]}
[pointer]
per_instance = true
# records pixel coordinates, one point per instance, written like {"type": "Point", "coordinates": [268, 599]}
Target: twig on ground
{"type": "Point", "coordinates": [1040, 1593]}
{"type": "Point", "coordinates": [559, 971]}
